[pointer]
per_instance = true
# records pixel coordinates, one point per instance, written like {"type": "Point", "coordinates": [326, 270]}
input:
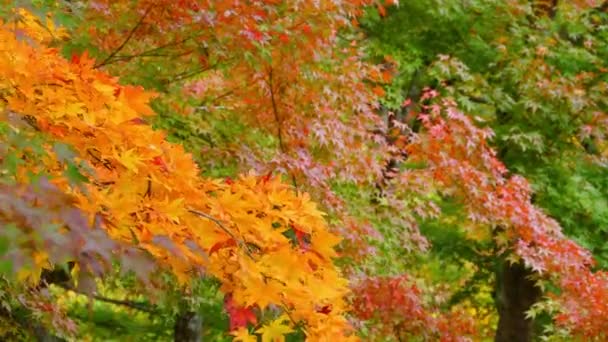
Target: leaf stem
{"type": "Point", "coordinates": [222, 227]}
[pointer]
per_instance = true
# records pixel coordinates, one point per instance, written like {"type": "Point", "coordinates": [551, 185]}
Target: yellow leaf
{"type": "Point", "coordinates": [41, 259]}
{"type": "Point", "coordinates": [57, 32]}
{"type": "Point", "coordinates": [242, 335]}
{"type": "Point", "coordinates": [175, 209]}
{"type": "Point", "coordinates": [276, 330]}
{"type": "Point", "coordinates": [130, 160]}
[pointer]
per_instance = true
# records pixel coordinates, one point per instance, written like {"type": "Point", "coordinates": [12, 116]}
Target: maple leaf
{"type": "Point", "coordinates": [243, 335]}
{"type": "Point", "coordinates": [381, 10]}
{"type": "Point", "coordinates": [130, 159]}
{"type": "Point", "coordinates": [276, 330]}
{"type": "Point", "coordinates": [379, 91]}
{"type": "Point", "coordinates": [138, 99]}
{"type": "Point", "coordinates": [174, 209]}
{"type": "Point", "coordinates": [222, 244]}
{"type": "Point", "coordinates": [239, 316]}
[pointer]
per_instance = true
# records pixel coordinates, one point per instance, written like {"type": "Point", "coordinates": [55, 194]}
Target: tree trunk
{"type": "Point", "coordinates": [544, 8]}
{"type": "Point", "coordinates": [43, 335]}
{"type": "Point", "coordinates": [515, 294]}
{"type": "Point", "coordinates": [188, 328]}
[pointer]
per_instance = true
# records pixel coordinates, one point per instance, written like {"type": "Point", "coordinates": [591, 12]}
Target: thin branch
{"type": "Point", "coordinates": [130, 304]}
{"type": "Point", "coordinates": [129, 36]}
{"type": "Point", "coordinates": [276, 111]}
{"type": "Point", "coordinates": [222, 227]}
{"type": "Point", "coordinates": [190, 73]}
{"type": "Point", "coordinates": [148, 192]}
{"type": "Point", "coordinates": [286, 311]}
{"type": "Point", "coordinates": [187, 74]}
{"type": "Point", "coordinates": [150, 53]}
{"type": "Point", "coordinates": [157, 54]}
{"type": "Point", "coordinates": [277, 118]}
{"type": "Point", "coordinates": [221, 96]}
{"type": "Point", "coordinates": [214, 220]}
{"type": "Point", "coordinates": [227, 93]}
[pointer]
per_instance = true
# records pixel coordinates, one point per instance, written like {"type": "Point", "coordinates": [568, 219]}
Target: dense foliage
{"type": "Point", "coordinates": [303, 170]}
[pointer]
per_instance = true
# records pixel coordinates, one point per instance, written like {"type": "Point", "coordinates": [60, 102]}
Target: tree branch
{"type": "Point", "coordinates": [151, 52]}
{"type": "Point", "coordinates": [222, 227]}
{"type": "Point", "coordinates": [277, 118]}
{"type": "Point", "coordinates": [130, 304]}
{"type": "Point", "coordinates": [129, 36]}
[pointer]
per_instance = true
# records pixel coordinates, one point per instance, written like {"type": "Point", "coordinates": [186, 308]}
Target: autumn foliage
{"type": "Point", "coordinates": [327, 170]}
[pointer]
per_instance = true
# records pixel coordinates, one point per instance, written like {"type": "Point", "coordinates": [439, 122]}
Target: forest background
{"type": "Point", "coordinates": [303, 170]}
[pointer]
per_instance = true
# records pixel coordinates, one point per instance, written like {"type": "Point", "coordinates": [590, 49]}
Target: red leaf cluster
{"type": "Point", "coordinates": [239, 316]}
{"type": "Point", "coordinates": [461, 161]}
{"type": "Point", "coordinates": [396, 306]}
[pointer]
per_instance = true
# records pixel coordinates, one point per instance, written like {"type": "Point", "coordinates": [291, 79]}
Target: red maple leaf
{"type": "Point", "coordinates": [239, 316]}
{"type": "Point", "coordinates": [220, 245]}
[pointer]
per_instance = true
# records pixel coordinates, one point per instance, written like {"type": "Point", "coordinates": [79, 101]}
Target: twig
{"type": "Point", "coordinates": [151, 52]}
{"type": "Point", "coordinates": [148, 192]}
{"type": "Point", "coordinates": [222, 227]}
{"type": "Point", "coordinates": [190, 73]}
{"type": "Point", "coordinates": [214, 220]}
{"type": "Point", "coordinates": [157, 54]}
{"type": "Point", "coordinates": [129, 36]}
{"type": "Point", "coordinates": [221, 96]}
{"type": "Point", "coordinates": [227, 93]}
{"type": "Point", "coordinates": [275, 111]}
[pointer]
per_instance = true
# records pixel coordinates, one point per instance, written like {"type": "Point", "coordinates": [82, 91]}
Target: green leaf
{"type": "Point", "coordinates": [63, 151]}
{"type": "Point", "coordinates": [4, 244]}
{"type": "Point", "coordinates": [6, 267]}
{"type": "Point", "coordinates": [73, 174]}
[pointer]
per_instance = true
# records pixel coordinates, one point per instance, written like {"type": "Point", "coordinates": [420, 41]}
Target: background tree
{"type": "Point", "coordinates": [532, 72]}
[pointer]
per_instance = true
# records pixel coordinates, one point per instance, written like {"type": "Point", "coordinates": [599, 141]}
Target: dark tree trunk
{"type": "Point", "coordinates": [392, 164]}
{"type": "Point", "coordinates": [188, 328]}
{"type": "Point", "coordinates": [515, 294]}
{"type": "Point", "coordinates": [544, 8]}
{"type": "Point", "coordinates": [43, 335]}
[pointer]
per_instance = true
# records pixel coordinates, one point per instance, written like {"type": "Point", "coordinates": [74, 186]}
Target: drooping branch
{"type": "Point", "coordinates": [141, 306]}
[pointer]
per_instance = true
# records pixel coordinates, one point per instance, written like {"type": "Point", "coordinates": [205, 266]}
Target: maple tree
{"type": "Point", "coordinates": [302, 92]}
{"type": "Point", "coordinates": [530, 72]}
{"type": "Point", "coordinates": [142, 189]}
